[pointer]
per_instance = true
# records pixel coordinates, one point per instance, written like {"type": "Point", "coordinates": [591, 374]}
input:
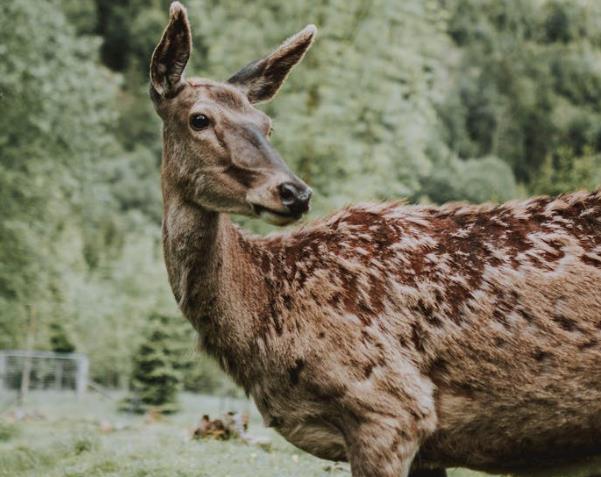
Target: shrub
{"type": "Point", "coordinates": [8, 431]}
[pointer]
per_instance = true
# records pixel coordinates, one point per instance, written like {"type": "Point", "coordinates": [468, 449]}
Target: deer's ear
{"type": "Point", "coordinates": [171, 54]}
{"type": "Point", "coordinates": [262, 79]}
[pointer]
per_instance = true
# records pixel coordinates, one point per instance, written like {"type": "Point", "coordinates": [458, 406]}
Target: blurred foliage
{"type": "Point", "coordinates": [433, 100]}
{"type": "Point", "coordinates": [528, 82]}
{"type": "Point", "coordinates": [79, 237]}
{"type": "Point", "coordinates": [59, 339]}
{"type": "Point", "coordinates": [564, 170]}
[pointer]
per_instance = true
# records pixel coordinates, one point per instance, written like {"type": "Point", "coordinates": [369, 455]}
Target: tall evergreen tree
{"type": "Point", "coordinates": [156, 377]}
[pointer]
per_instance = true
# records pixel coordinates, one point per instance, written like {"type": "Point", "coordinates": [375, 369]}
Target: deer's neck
{"type": "Point", "coordinates": [215, 280]}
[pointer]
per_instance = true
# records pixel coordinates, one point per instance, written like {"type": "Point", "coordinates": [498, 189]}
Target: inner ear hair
{"type": "Point", "coordinates": [171, 54]}
{"type": "Point", "coordinates": [261, 79]}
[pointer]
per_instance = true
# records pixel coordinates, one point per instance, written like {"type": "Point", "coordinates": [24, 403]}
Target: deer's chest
{"type": "Point", "coordinates": [316, 437]}
{"type": "Point", "coordinates": [301, 421]}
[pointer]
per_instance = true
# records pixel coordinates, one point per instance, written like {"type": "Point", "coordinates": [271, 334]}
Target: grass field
{"type": "Point", "coordinates": [65, 437]}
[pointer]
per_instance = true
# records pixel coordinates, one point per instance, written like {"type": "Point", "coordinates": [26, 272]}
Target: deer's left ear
{"type": "Point", "coordinates": [171, 54]}
{"type": "Point", "coordinates": [261, 79]}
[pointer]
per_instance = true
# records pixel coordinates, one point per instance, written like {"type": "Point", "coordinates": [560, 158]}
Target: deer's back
{"type": "Point", "coordinates": [497, 306]}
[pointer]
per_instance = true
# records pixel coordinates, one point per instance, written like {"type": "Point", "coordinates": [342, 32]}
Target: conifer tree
{"type": "Point", "coordinates": [156, 379]}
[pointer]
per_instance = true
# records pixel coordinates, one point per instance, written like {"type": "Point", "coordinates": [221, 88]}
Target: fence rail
{"type": "Point", "coordinates": [43, 370]}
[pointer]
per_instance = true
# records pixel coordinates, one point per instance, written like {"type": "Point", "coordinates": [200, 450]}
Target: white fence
{"type": "Point", "coordinates": [43, 370]}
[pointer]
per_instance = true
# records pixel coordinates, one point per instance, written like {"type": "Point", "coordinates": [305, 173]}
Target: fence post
{"type": "Point", "coordinates": [81, 383]}
{"type": "Point", "coordinates": [3, 371]}
{"type": "Point", "coordinates": [58, 374]}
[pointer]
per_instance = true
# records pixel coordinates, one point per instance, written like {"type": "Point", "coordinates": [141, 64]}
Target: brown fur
{"type": "Point", "coordinates": [387, 334]}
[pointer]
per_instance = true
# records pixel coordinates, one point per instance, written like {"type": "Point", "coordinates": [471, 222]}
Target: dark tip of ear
{"type": "Point", "coordinates": [176, 9]}
{"type": "Point", "coordinates": [304, 37]}
{"type": "Point", "coordinates": [309, 30]}
{"type": "Point", "coordinates": [171, 54]}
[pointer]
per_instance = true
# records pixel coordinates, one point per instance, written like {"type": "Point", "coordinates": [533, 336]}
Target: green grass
{"type": "Point", "coordinates": [64, 439]}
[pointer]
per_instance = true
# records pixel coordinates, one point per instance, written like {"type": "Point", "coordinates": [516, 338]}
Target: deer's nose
{"type": "Point", "coordinates": [295, 197]}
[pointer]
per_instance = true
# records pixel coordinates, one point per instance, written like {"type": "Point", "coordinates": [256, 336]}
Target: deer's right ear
{"type": "Point", "coordinates": [171, 55]}
{"type": "Point", "coordinates": [261, 79]}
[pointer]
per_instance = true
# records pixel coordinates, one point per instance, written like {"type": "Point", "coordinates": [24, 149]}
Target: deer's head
{"type": "Point", "coordinates": [217, 152]}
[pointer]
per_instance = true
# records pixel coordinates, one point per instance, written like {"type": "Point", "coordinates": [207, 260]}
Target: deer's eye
{"type": "Point", "coordinates": [199, 122]}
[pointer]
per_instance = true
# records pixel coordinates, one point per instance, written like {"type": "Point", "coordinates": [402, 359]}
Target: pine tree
{"type": "Point", "coordinates": [156, 377]}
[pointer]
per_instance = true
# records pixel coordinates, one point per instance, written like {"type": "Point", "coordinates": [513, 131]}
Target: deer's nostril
{"type": "Point", "coordinates": [295, 198]}
{"type": "Point", "coordinates": [288, 192]}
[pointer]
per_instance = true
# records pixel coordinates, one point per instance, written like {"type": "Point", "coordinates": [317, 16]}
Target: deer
{"type": "Point", "coordinates": [403, 339]}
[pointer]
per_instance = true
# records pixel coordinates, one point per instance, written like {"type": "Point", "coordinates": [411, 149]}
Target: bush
{"type": "Point", "coordinates": [8, 431]}
{"type": "Point", "coordinates": [84, 443]}
{"type": "Point", "coordinates": [472, 180]}
{"type": "Point", "coordinates": [565, 171]}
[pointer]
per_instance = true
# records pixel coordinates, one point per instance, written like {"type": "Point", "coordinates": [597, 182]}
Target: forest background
{"type": "Point", "coordinates": [430, 100]}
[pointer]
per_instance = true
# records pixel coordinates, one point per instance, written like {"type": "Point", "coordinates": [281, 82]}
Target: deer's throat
{"type": "Point", "coordinates": [191, 248]}
{"type": "Point", "coordinates": [212, 274]}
